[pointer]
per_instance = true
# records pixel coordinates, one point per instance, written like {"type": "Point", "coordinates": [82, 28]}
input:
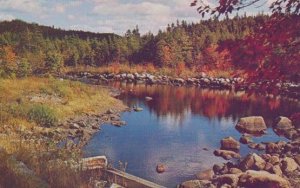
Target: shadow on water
{"type": "Point", "coordinates": [176, 126]}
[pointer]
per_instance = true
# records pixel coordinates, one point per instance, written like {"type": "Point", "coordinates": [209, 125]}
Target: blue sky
{"type": "Point", "coordinates": [102, 15]}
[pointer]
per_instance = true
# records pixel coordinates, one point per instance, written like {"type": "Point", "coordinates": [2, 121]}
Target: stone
{"type": "Point", "coordinates": [235, 171]}
{"type": "Point", "coordinates": [74, 126]}
{"type": "Point", "coordinates": [197, 184]}
{"type": "Point", "coordinates": [288, 164]}
{"type": "Point", "coordinates": [273, 148]}
{"type": "Point", "coordinates": [230, 143]}
{"type": "Point", "coordinates": [226, 154]}
{"type": "Point", "coordinates": [276, 170]}
{"type": "Point", "coordinates": [297, 158]}
{"type": "Point", "coordinates": [138, 109]}
{"type": "Point", "coordinates": [230, 179]}
{"type": "Point", "coordinates": [251, 125]}
{"type": "Point", "coordinates": [259, 162]}
{"type": "Point", "coordinates": [118, 123]}
{"type": "Point", "coordinates": [274, 160]}
{"type": "Point", "coordinates": [148, 98]}
{"type": "Point", "coordinates": [252, 178]}
{"type": "Point", "coordinates": [283, 123]}
{"type": "Point", "coordinates": [252, 161]}
{"type": "Point", "coordinates": [245, 139]}
{"type": "Point", "coordinates": [268, 167]}
{"type": "Point", "coordinates": [160, 168]}
{"type": "Point", "coordinates": [252, 145]}
{"type": "Point", "coordinates": [205, 175]}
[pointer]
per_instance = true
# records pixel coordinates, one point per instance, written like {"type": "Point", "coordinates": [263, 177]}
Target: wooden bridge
{"type": "Point", "coordinates": [99, 165]}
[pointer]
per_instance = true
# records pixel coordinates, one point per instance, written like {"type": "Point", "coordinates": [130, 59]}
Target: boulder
{"type": "Point", "coordinates": [264, 179]}
{"type": "Point", "coordinates": [229, 179]}
{"type": "Point", "coordinates": [226, 154]}
{"type": "Point", "coordinates": [160, 168]}
{"type": "Point", "coordinates": [252, 161]}
{"type": "Point", "coordinates": [297, 158]}
{"type": "Point", "coordinates": [245, 139]}
{"type": "Point", "coordinates": [288, 164]}
{"type": "Point", "coordinates": [74, 126]}
{"type": "Point", "coordinates": [205, 175]}
{"type": "Point", "coordinates": [283, 123]}
{"type": "Point", "coordinates": [234, 171]}
{"type": "Point", "coordinates": [276, 170]}
{"type": "Point", "coordinates": [197, 184]}
{"type": "Point", "coordinates": [230, 143]}
{"type": "Point", "coordinates": [273, 148]}
{"type": "Point", "coordinates": [251, 125]}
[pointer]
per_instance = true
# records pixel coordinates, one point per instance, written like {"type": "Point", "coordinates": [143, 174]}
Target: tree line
{"type": "Point", "coordinates": [28, 48]}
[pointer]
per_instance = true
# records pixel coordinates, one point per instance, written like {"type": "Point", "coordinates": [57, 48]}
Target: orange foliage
{"type": "Point", "coordinates": [9, 57]}
{"type": "Point", "coordinates": [180, 68]}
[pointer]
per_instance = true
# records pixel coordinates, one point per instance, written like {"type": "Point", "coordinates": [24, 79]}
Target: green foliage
{"type": "Point", "coordinates": [41, 49]}
{"type": "Point", "coordinates": [54, 62]}
{"type": "Point", "coordinates": [24, 68]}
{"type": "Point", "coordinates": [42, 115]}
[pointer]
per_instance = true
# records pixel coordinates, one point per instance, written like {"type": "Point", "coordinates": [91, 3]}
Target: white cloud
{"type": "Point", "coordinates": [6, 17]}
{"type": "Point", "coordinates": [31, 6]}
{"type": "Point", "coordinates": [149, 15]}
{"type": "Point", "coordinates": [60, 8]}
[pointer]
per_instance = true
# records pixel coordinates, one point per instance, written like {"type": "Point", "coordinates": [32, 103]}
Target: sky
{"type": "Point", "coordinates": [103, 16]}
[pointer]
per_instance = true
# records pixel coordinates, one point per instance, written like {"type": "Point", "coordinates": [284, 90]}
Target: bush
{"type": "Point", "coordinates": [42, 115]}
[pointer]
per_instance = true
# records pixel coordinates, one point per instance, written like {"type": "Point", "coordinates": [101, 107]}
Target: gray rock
{"type": "Point", "coordinates": [264, 179]}
{"type": "Point", "coordinates": [251, 125]}
{"type": "Point", "coordinates": [197, 184]}
{"type": "Point", "coordinates": [230, 143]}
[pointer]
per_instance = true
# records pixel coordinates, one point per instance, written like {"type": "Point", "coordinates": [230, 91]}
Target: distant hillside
{"type": "Point", "coordinates": [18, 26]}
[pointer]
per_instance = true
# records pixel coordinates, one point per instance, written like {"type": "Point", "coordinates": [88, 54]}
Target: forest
{"type": "Point", "coordinates": [213, 44]}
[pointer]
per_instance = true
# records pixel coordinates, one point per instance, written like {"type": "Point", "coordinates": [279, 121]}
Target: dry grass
{"type": "Point", "coordinates": [44, 99]}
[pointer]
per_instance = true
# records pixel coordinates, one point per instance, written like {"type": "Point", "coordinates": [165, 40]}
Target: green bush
{"type": "Point", "coordinates": [42, 115]}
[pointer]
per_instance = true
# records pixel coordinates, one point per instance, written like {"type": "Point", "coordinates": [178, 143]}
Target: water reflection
{"type": "Point", "coordinates": [176, 125]}
{"type": "Point", "coordinates": [176, 102]}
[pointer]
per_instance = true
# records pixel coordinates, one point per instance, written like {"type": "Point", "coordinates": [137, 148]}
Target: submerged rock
{"type": "Point", "coordinates": [230, 143]}
{"type": "Point", "coordinates": [251, 125]}
{"type": "Point", "coordinates": [160, 168]}
{"type": "Point", "coordinates": [226, 154]}
{"type": "Point", "coordinates": [205, 175]}
{"type": "Point", "coordinates": [245, 139]}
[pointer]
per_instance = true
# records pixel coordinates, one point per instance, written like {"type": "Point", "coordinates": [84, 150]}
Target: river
{"type": "Point", "coordinates": [180, 127]}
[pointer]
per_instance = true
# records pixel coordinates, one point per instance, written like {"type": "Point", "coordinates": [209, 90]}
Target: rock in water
{"type": "Point", "coordinates": [205, 175]}
{"type": "Point", "coordinates": [148, 98]}
{"type": "Point", "coordinates": [251, 125]}
{"type": "Point", "coordinates": [197, 184]}
{"type": "Point", "coordinates": [138, 109]}
{"type": "Point", "coordinates": [283, 123]}
{"type": "Point", "coordinates": [226, 154]}
{"type": "Point", "coordinates": [245, 139]}
{"type": "Point", "coordinates": [230, 143]}
{"type": "Point", "coordinates": [160, 168]}
{"type": "Point", "coordinates": [264, 179]}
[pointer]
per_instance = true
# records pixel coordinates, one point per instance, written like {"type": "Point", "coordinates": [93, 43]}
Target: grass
{"type": "Point", "coordinates": [32, 104]}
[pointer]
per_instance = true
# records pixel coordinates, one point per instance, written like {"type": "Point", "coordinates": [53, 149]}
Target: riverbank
{"type": "Point", "coordinates": [44, 124]}
{"type": "Point", "coordinates": [277, 166]}
{"type": "Point", "coordinates": [278, 88]}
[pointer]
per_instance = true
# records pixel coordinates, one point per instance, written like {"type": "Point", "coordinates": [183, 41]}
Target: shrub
{"type": "Point", "coordinates": [42, 115]}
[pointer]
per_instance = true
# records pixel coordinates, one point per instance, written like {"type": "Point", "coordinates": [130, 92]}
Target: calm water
{"type": "Point", "coordinates": [176, 125]}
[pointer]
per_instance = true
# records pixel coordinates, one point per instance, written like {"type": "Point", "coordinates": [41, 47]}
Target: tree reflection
{"type": "Point", "coordinates": [176, 101]}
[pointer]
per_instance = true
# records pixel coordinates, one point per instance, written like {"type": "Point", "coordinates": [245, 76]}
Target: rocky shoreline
{"type": "Point", "coordinates": [288, 89]}
{"type": "Point", "coordinates": [277, 166]}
